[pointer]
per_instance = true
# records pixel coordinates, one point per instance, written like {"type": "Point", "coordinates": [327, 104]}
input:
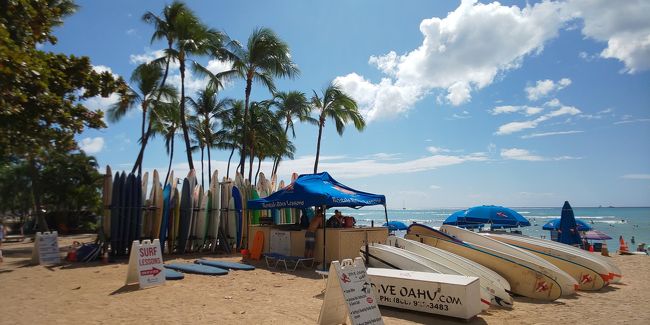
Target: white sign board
{"type": "Point", "coordinates": [280, 242]}
{"type": "Point", "coordinates": [443, 294]}
{"type": "Point", "coordinates": [145, 264]}
{"type": "Point", "coordinates": [46, 248]}
{"type": "Point", "coordinates": [349, 289]}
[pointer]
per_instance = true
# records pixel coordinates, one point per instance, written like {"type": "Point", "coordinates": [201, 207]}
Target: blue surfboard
{"type": "Point", "coordinates": [185, 217]}
{"type": "Point", "coordinates": [173, 275]}
{"type": "Point", "coordinates": [226, 265]}
{"type": "Point", "coordinates": [196, 269]}
{"type": "Point", "coordinates": [238, 211]}
{"type": "Point", "coordinates": [164, 225]}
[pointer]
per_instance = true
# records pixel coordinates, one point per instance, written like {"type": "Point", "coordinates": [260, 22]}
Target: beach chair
{"type": "Point", "coordinates": [290, 262]}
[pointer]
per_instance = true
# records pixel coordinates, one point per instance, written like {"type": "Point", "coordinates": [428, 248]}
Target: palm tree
{"type": "Point", "coordinates": [267, 137]}
{"type": "Point", "coordinates": [231, 126]}
{"type": "Point", "coordinates": [146, 92]}
{"type": "Point", "coordinates": [290, 105]}
{"type": "Point", "coordinates": [210, 109]}
{"type": "Point", "coordinates": [186, 36]}
{"type": "Point", "coordinates": [166, 123]}
{"type": "Point", "coordinates": [340, 108]}
{"type": "Point", "coordinates": [199, 130]}
{"type": "Point", "coordinates": [265, 56]}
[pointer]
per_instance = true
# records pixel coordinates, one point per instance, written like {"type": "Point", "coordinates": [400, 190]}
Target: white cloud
{"type": "Point", "coordinates": [345, 167]}
{"type": "Point", "coordinates": [544, 87]}
{"type": "Point", "coordinates": [131, 32]}
{"type": "Point", "coordinates": [149, 56]}
{"type": "Point", "coordinates": [514, 127]}
{"type": "Point", "coordinates": [434, 187]}
{"type": "Point", "coordinates": [525, 155]}
{"type": "Point", "coordinates": [460, 116]}
{"type": "Point", "coordinates": [528, 110]}
{"type": "Point", "coordinates": [637, 176]}
{"type": "Point", "coordinates": [630, 120]}
{"type": "Point", "coordinates": [546, 134]}
{"type": "Point", "coordinates": [460, 53]}
{"type": "Point", "coordinates": [624, 25]}
{"type": "Point", "coordinates": [519, 154]}
{"type": "Point", "coordinates": [436, 150]}
{"type": "Point", "coordinates": [101, 103]}
{"type": "Point", "coordinates": [92, 145]}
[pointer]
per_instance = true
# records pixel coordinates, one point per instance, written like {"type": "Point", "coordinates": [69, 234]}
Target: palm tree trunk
{"type": "Point", "coordinates": [229, 158]}
{"type": "Point", "coordinates": [320, 134]}
{"type": "Point", "coordinates": [142, 133]}
{"type": "Point", "coordinates": [186, 135]}
{"type": "Point", "coordinates": [209, 164]}
{"type": "Point", "coordinates": [249, 85]}
{"type": "Point", "coordinates": [171, 156]}
{"type": "Point", "coordinates": [250, 167]}
{"type": "Point", "coordinates": [202, 172]}
{"type": "Point", "coordinates": [259, 165]}
{"type": "Point", "coordinates": [146, 136]}
{"type": "Point", "coordinates": [138, 161]}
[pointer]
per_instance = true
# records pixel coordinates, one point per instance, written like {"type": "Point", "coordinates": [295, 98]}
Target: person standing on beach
{"type": "Point", "coordinates": [2, 236]}
{"type": "Point", "coordinates": [310, 234]}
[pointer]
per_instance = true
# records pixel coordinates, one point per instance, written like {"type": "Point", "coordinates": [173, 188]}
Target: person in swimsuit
{"type": "Point", "coordinates": [310, 234]}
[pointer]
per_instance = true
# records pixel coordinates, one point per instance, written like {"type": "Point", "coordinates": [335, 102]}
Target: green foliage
{"type": "Point", "coordinates": [70, 188]}
{"type": "Point", "coordinates": [40, 91]}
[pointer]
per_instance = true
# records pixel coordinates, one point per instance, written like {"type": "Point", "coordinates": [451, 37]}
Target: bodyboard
{"type": "Point", "coordinates": [196, 269]}
{"type": "Point", "coordinates": [226, 265]}
{"type": "Point", "coordinates": [258, 245]}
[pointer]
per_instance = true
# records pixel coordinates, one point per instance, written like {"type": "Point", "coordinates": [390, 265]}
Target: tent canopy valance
{"type": "Point", "coordinates": [320, 189]}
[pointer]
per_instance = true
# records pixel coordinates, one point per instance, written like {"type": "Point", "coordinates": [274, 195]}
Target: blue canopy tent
{"type": "Point", "coordinates": [555, 225]}
{"type": "Point", "coordinates": [568, 232]}
{"type": "Point", "coordinates": [496, 216]}
{"type": "Point", "coordinates": [320, 189]}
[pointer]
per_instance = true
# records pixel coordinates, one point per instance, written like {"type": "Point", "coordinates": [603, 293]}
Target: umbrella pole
{"type": "Point", "coordinates": [386, 213]}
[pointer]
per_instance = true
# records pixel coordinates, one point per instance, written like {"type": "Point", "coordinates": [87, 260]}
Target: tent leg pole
{"type": "Point", "coordinates": [324, 236]}
{"type": "Point", "coordinates": [386, 213]}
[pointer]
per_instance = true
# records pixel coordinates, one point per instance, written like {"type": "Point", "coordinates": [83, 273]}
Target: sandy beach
{"type": "Point", "coordinates": [94, 293]}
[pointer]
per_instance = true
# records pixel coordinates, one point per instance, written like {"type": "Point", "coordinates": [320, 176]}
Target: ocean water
{"type": "Point", "coordinates": [615, 222]}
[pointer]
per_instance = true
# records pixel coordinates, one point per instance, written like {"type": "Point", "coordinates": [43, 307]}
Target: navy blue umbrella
{"type": "Point", "coordinates": [568, 232]}
{"type": "Point", "coordinates": [395, 225]}
{"type": "Point", "coordinates": [555, 225]}
{"type": "Point", "coordinates": [497, 216]}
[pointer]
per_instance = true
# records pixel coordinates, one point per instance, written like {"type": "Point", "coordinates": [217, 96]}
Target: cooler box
{"type": "Point", "coordinates": [444, 294]}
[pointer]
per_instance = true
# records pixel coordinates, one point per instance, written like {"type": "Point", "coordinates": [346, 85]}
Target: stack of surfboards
{"type": "Point", "coordinates": [185, 218]}
{"type": "Point", "coordinates": [494, 285]}
{"type": "Point", "coordinates": [527, 274]}
{"type": "Point", "coordinates": [590, 270]}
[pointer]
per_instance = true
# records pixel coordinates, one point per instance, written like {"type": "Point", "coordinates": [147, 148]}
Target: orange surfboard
{"type": "Point", "coordinates": [258, 245]}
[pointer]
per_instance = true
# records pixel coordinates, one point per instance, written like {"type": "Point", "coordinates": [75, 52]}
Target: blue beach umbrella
{"type": "Point", "coordinates": [497, 216]}
{"type": "Point", "coordinates": [568, 232]}
{"type": "Point", "coordinates": [555, 225]}
{"type": "Point", "coordinates": [395, 225]}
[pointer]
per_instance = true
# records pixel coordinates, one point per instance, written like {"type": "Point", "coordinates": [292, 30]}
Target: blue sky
{"type": "Point", "coordinates": [512, 103]}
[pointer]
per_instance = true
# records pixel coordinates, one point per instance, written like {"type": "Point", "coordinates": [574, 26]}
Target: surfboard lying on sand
{"type": "Point", "coordinates": [590, 274]}
{"type": "Point", "coordinates": [490, 280]}
{"type": "Point", "coordinates": [226, 265]}
{"type": "Point", "coordinates": [173, 275]}
{"type": "Point", "coordinates": [568, 283]}
{"type": "Point", "coordinates": [523, 279]}
{"type": "Point", "coordinates": [196, 269]}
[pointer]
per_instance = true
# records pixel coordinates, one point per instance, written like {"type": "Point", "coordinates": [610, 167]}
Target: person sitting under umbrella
{"type": "Point", "coordinates": [335, 221]}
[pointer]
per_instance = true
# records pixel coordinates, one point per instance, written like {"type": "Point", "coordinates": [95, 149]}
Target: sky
{"type": "Point", "coordinates": [515, 103]}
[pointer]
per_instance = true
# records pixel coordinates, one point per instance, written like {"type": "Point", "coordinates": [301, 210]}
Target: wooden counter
{"type": "Point", "coordinates": [341, 243]}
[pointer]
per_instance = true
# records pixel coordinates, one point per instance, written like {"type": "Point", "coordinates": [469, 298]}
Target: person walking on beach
{"type": "Point", "coordinates": [310, 234]}
{"type": "Point", "coordinates": [3, 231]}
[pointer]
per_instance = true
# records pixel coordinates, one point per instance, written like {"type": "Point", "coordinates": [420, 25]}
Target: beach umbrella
{"type": "Point", "coordinates": [568, 231]}
{"type": "Point", "coordinates": [395, 225]}
{"type": "Point", "coordinates": [596, 235]}
{"type": "Point", "coordinates": [555, 225]}
{"type": "Point", "coordinates": [497, 216]}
